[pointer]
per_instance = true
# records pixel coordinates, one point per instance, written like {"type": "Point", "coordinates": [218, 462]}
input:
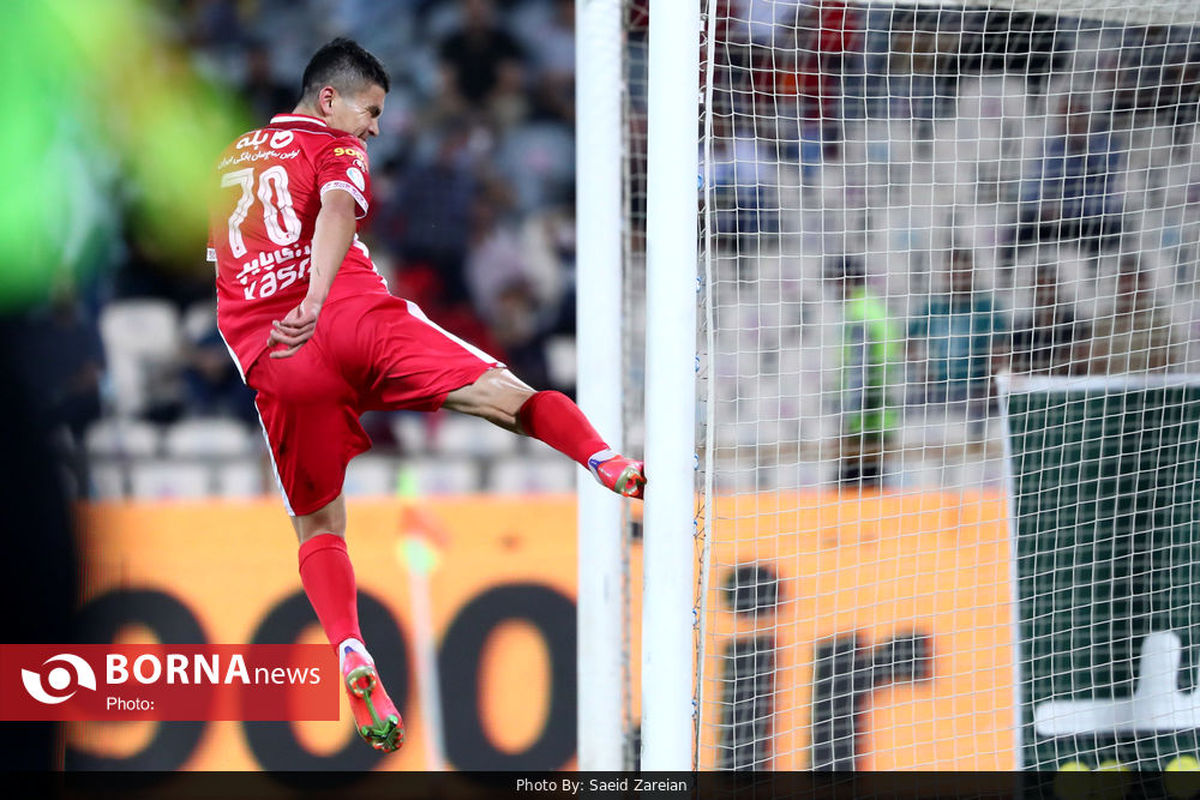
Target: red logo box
{"type": "Point", "coordinates": [104, 682]}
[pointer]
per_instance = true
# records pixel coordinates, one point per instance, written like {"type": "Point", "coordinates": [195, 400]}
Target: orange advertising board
{"type": "Point", "coordinates": [502, 616]}
{"type": "Point", "coordinates": [921, 579]}
{"type": "Point", "coordinates": [501, 622]}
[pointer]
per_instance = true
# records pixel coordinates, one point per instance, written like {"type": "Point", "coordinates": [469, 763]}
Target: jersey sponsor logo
{"type": "Point", "coordinates": [256, 155]}
{"type": "Point", "coordinates": [351, 152]}
{"type": "Point", "coordinates": [281, 139]}
{"type": "Point", "coordinates": [273, 271]}
{"type": "Point", "coordinates": [356, 177]}
{"type": "Point", "coordinates": [252, 139]}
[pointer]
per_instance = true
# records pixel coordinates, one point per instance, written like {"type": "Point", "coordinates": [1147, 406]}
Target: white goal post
{"type": "Point", "coordinates": [601, 659]}
{"type": "Point", "coordinates": [667, 692]}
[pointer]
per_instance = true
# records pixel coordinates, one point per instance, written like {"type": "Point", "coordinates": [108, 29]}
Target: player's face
{"type": "Point", "coordinates": [358, 113]}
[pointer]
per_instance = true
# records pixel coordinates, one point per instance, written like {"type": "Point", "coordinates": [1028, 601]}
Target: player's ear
{"type": "Point", "coordinates": [325, 98]}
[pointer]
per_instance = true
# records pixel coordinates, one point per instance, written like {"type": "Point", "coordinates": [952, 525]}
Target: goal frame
{"type": "Point", "coordinates": [668, 666]}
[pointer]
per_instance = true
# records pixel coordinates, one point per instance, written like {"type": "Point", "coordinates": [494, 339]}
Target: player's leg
{"type": "Point", "coordinates": [408, 361]}
{"type": "Point", "coordinates": [328, 578]}
{"type": "Point", "coordinates": [312, 430]}
{"type": "Point", "coordinates": [501, 398]}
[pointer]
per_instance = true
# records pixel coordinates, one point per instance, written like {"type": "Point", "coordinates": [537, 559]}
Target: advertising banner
{"type": "Point", "coordinates": [902, 598]}
{"type": "Point", "coordinates": [499, 579]}
{"type": "Point", "coordinates": [871, 632]}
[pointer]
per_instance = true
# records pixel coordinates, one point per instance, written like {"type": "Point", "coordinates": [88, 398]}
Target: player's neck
{"type": "Point", "coordinates": [309, 111]}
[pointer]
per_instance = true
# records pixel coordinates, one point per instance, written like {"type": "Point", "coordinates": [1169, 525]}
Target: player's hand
{"type": "Point", "coordinates": [295, 329]}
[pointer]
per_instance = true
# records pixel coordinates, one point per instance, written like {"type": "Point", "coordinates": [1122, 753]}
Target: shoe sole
{"type": "Point", "coordinates": [630, 483]}
{"type": "Point", "coordinates": [386, 735]}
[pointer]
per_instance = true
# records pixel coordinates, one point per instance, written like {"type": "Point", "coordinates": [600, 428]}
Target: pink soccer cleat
{"type": "Point", "coordinates": [375, 716]}
{"type": "Point", "coordinates": [620, 474]}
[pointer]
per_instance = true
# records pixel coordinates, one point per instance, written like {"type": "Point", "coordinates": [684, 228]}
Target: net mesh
{"type": "Point", "coordinates": [1105, 500]}
{"type": "Point", "coordinates": [635, 14]}
{"type": "Point", "coordinates": [900, 203]}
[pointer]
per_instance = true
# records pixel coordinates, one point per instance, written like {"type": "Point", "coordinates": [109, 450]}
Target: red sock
{"type": "Point", "coordinates": [328, 580]}
{"type": "Point", "coordinates": [554, 419]}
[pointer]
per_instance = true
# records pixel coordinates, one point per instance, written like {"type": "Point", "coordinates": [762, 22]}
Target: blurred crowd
{"type": "Point", "coordinates": [902, 203]}
{"type": "Point", "coordinates": [906, 203]}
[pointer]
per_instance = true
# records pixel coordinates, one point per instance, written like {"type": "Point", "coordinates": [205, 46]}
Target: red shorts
{"type": "Point", "coordinates": [376, 352]}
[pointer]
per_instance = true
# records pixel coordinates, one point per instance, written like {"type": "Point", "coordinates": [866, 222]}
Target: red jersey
{"type": "Point", "coordinates": [261, 230]}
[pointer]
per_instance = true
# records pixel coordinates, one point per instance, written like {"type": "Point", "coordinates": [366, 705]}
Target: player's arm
{"type": "Point", "coordinates": [332, 236]}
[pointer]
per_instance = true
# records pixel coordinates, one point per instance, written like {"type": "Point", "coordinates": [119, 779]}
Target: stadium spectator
{"type": "Point", "coordinates": [1140, 333]}
{"type": "Point", "coordinates": [520, 326]}
{"type": "Point", "coordinates": [213, 24]}
{"type": "Point", "coordinates": [62, 352]}
{"type": "Point", "coordinates": [965, 337]}
{"type": "Point", "coordinates": [799, 77]}
{"type": "Point", "coordinates": [871, 359]}
{"type": "Point", "coordinates": [264, 94]}
{"type": "Point", "coordinates": [551, 48]}
{"type": "Point", "coordinates": [1049, 339]}
{"type": "Point", "coordinates": [321, 341]}
{"type": "Point", "coordinates": [548, 240]}
{"type": "Point", "coordinates": [213, 385]}
{"type": "Point", "coordinates": [1073, 192]}
{"type": "Point", "coordinates": [483, 69]}
{"type": "Point", "coordinates": [497, 260]}
{"type": "Point", "coordinates": [433, 210]}
{"type": "Point", "coordinates": [742, 176]}
{"type": "Point", "coordinates": [61, 356]}
{"type": "Point", "coordinates": [912, 78]}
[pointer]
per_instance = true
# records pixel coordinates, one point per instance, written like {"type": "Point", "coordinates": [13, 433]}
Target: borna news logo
{"type": "Point", "coordinates": [59, 678]}
{"type": "Point", "coordinates": [271, 682]}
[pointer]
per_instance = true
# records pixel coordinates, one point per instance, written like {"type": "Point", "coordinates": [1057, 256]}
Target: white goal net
{"type": "Point", "coordinates": [901, 205]}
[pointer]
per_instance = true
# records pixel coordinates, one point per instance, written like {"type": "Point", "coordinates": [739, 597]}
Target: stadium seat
{"type": "Point", "coordinates": [370, 475]}
{"type": "Point", "coordinates": [536, 158]}
{"type": "Point", "coordinates": [560, 360]}
{"type": "Point", "coordinates": [209, 438]}
{"type": "Point", "coordinates": [442, 476]}
{"type": "Point", "coordinates": [798, 475]}
{"type": "Point", "coordinates": [198, 320]}
{"type": "Point", "coordinates": [967, 474]}
{"type": "Point", "coordinates": [412, 431]}
{"type": "Point", "coordinates": [241, 478]}
{"type": "Point", "coordinates": [160, 479]}
{"type": "Point", "coordinates": [107, 480]}
{"type": "Point", "coordinates": [532, 475]}
{"type": "Point", "coordinates": [910, 470]}
{"type": "Point", "coordinates": [459, 435]}
{"type": "Point", "coordinates": [141, 342]}
{"type": "Point", "coordinates": [118, 437]}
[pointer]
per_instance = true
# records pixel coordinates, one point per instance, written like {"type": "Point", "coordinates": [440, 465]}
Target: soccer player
{"type": "Point", "coordinates": [315, 333]}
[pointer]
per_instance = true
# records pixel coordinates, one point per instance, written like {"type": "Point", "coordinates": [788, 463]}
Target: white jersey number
{"type": "Point", "coordinates": [282, 224]}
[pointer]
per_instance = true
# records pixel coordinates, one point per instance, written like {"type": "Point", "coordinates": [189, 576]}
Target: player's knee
{"type": "Point", "coordinates": [496, 396]}
{"type": "Point", "coordinates": [503, 385]}
{"type": "Point", "coordinates": [330, 519]}
{"type": "Point", "coordinates": [303, 535]}
{"type": "Point", "coordinates": [509, 395]}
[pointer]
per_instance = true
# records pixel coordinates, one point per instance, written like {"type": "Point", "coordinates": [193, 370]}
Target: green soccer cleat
{"type": "Point", "coordinates": [375, 716]}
